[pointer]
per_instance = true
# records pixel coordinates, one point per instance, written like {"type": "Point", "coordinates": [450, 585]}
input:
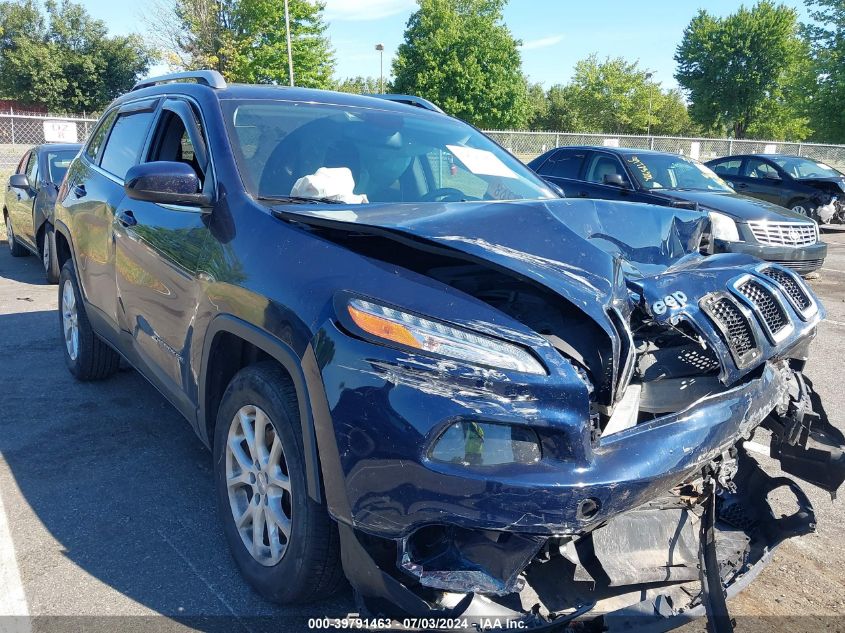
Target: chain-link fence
{"type": "Point", "coordinates": [528, 145]}
{"type": "Point", "coordinates": [19, 132]}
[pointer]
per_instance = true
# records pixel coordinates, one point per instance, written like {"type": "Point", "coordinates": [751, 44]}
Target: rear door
{"type": "Point", "coordinates": [157, 253]}
{"type": "Point", "coordinates": [564, 168]}
{"type": "Point", "coordinates": [94, 190]}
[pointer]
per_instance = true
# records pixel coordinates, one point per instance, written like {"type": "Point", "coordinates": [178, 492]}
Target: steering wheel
{"type": "Point", "coordinates": [443, 194]}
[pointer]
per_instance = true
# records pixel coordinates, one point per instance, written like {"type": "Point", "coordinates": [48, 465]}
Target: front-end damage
{"type": "Point", "coordinates": [617, 485]}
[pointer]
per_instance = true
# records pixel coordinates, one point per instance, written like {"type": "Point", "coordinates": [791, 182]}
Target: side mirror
{"type": "Point", "coordinates": [19, 181]}
{"type": "Point", "coordinates": [165, 182]}
{"type": "Point", "coordinates": [615, 180]}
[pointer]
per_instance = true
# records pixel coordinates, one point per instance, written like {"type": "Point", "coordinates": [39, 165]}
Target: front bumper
{"type": "Point", "coordinates": [804, 259]}
{"type": "Point", "coordinates": [387, 406]}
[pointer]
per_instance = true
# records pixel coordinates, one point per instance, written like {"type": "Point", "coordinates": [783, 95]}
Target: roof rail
{"type": "Point", "coordinates": [413, 100]}
{"type": "Point", "coordinates": [210, 78]}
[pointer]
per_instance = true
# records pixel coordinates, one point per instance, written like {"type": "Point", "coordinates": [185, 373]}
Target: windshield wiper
{"type": "Point", "coordinates": [299, 200]}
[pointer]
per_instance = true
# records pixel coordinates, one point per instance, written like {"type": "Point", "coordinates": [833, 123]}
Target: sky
{"type": "Point", "coordinates": [555, 33]}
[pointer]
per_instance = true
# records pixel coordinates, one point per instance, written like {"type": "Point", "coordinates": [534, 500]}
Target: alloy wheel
{"type": "Point", "coordinates": [799, 208]}
{"type": "Point", "coordinates": [70, 320]}
{"type": "Point", "coordinates": [258, 485]}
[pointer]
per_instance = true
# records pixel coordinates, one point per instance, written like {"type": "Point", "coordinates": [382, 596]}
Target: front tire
{"type": "Point", "coordinates": [804, 207]}
{"type": "Point", "coordinates": [86, 355]}
{"type": "Point", "coordinates": [49, 258]}
{"type": "Point", "coordinates": [16, 249]}
{"type": "Point", "coordinates": [283, 542]}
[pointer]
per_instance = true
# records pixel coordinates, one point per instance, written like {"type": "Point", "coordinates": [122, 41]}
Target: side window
{"type": "Point", "coordinates": [728, 167]}
{"type": "Point", "coordinates": [125, 142]}
{"type": "Point", "coordinates": [22, 166]}
{"type": "Point", "coordinates": [602, 165]}
{"type": "Point", "coordinates": [564, 164]}
{"type": "Point", "coordinates": [92, 149]}
{"type": "Point", "coordinates": [173, 143]}
{"type": "Point", "coordinates": [32, 170]}
{"type": "Point", "coordinates": [756, 168]}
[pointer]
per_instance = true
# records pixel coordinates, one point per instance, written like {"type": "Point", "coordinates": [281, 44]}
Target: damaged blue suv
{"type": "Point", "coordinates": [420, 369]}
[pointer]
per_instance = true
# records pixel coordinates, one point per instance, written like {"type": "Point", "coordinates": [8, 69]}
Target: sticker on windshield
{"type": "Point", "coordinates": [636, 162]}
{"type": "Point", "coordinates": [481, 162]}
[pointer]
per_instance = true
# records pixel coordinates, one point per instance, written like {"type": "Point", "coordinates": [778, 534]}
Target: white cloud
{"type": "Point", "coordinates": [360, 10]}
{"type": "Point", "coordinates": [543, 42]}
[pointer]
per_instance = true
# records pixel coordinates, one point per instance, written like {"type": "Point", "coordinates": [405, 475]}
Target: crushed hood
{"type": "Point", "coordinates": [581, 249]}
{"type": "Point", "coordinates": [604, 257]}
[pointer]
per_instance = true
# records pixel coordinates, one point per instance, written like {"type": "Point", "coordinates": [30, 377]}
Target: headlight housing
{"type": "Point", "coordinates": [723, 227]}
{"type": "Point", "coordinates": [410, 330]}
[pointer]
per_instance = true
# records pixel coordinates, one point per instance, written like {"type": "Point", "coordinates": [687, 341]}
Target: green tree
{"type": "Point", "coordinates": [538, 106]}
{"type": "Point", "coordinates": [615, 96]}
{"type": "Point", "coordinates": [737, 70]}
{"type": "Point", "coordinates": [360, 85]}
{"type": "Point", "coordinates": [245, 39]}
{"type": "Point", "coordinates": [63, 58]}
{"type": "Point", "coordinates": [259, 45]}
{"type": "Point", "coordinates": [460, 55]}
{"type": "Point", "coordinates": [827, 40]}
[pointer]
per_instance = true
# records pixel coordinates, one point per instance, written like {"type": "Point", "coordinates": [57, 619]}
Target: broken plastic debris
{"type": "Point", "coordinates": [334, 183]}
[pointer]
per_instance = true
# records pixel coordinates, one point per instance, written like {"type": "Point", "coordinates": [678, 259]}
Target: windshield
{"type": "Point", "coordinates": [668, 171]}
{"type": "Point", "coordinates": [805, 168]}
{"type": "Point", "coordinates": [57, 164]}
{"type": "Point", "coordinates": [369, 155]}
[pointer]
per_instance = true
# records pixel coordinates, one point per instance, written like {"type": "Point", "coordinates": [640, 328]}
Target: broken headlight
{"type": "Point", "coordinates": [482, 444]}
{"type": "Point", "coordinates": [723, 227]}
{"type": "Point", "coordinates": [409, 330]}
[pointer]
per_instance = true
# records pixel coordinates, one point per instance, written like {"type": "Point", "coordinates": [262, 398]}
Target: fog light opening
{"type": "Point", "coordinates": [588, 508]}
{"type": "Point", "coordinates": [483, 444]}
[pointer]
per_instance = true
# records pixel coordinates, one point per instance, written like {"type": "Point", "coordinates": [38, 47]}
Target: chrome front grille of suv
{"type": "Point", "coordinates": [736, 326]}
{"type": "Point", "coordinates": [766, 306]}
{"type": "Point", "coordinates": [784, 233]}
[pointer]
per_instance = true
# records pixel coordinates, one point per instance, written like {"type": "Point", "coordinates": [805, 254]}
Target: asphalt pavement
{"type": "Point", "coordinates": [107, 516]}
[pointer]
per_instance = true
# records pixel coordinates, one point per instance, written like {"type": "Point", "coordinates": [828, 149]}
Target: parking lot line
{"type": "Point", "coordinates": [14, 613]}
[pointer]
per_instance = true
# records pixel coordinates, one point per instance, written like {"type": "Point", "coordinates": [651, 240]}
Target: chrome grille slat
{"type": "Point", "coordinates": [784, 233]}
{"type": "Point", "coordinates": [735, 326]}
{"type": "Point", "coordinates": [799, 298]}
{"type": "Point", "coordinates": [766, 305]}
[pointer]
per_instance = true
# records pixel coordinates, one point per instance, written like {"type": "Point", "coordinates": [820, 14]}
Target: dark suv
{"type": "Point", "coordinates": [419, 368]}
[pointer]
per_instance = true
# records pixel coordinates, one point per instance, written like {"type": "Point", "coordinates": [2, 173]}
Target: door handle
{"type": "Point", "coordinates": [127, 218]}
{"type": "Point", "coordinates": [79, 191]}
{"type": "Point", "coordinates": [741, 185]}
{"type": "Point", "coordinates": [583, 194]}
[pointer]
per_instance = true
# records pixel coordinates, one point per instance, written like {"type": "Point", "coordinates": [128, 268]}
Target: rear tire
{"type": "Point", "coordinates": [86, 355]}
{"type": "Point", "coordinates": [16, 249]}
{"type": "Point", "coordinates": [49, 258]}
{"type": "Point", "coordinates": [255, 489]}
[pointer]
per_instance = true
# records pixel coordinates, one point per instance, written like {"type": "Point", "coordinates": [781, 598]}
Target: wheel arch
{"type": "Point", "coordinates": [212, 384]}
{"type": "Point", "coordinates": [64, 249]}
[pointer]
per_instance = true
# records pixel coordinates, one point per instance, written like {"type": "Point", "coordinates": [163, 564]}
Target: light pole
{"type": "Point", "coordinates": [287, 34]}
{"type": "Point", "coordinates": [648, 76]}
{"type": "Point", "coordinates": [380, 49]}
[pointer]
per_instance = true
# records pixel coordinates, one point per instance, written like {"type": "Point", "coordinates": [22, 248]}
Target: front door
{"type": "Point", "coordinates": [21, 202]}
{"type": "Point", "coordinates": [157, 250]}
{"type": "Point", "coordinates": [760, 179]}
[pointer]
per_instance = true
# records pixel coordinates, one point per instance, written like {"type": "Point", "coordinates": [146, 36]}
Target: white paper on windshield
{"type": "Point", "coordinates": [481, 162]}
